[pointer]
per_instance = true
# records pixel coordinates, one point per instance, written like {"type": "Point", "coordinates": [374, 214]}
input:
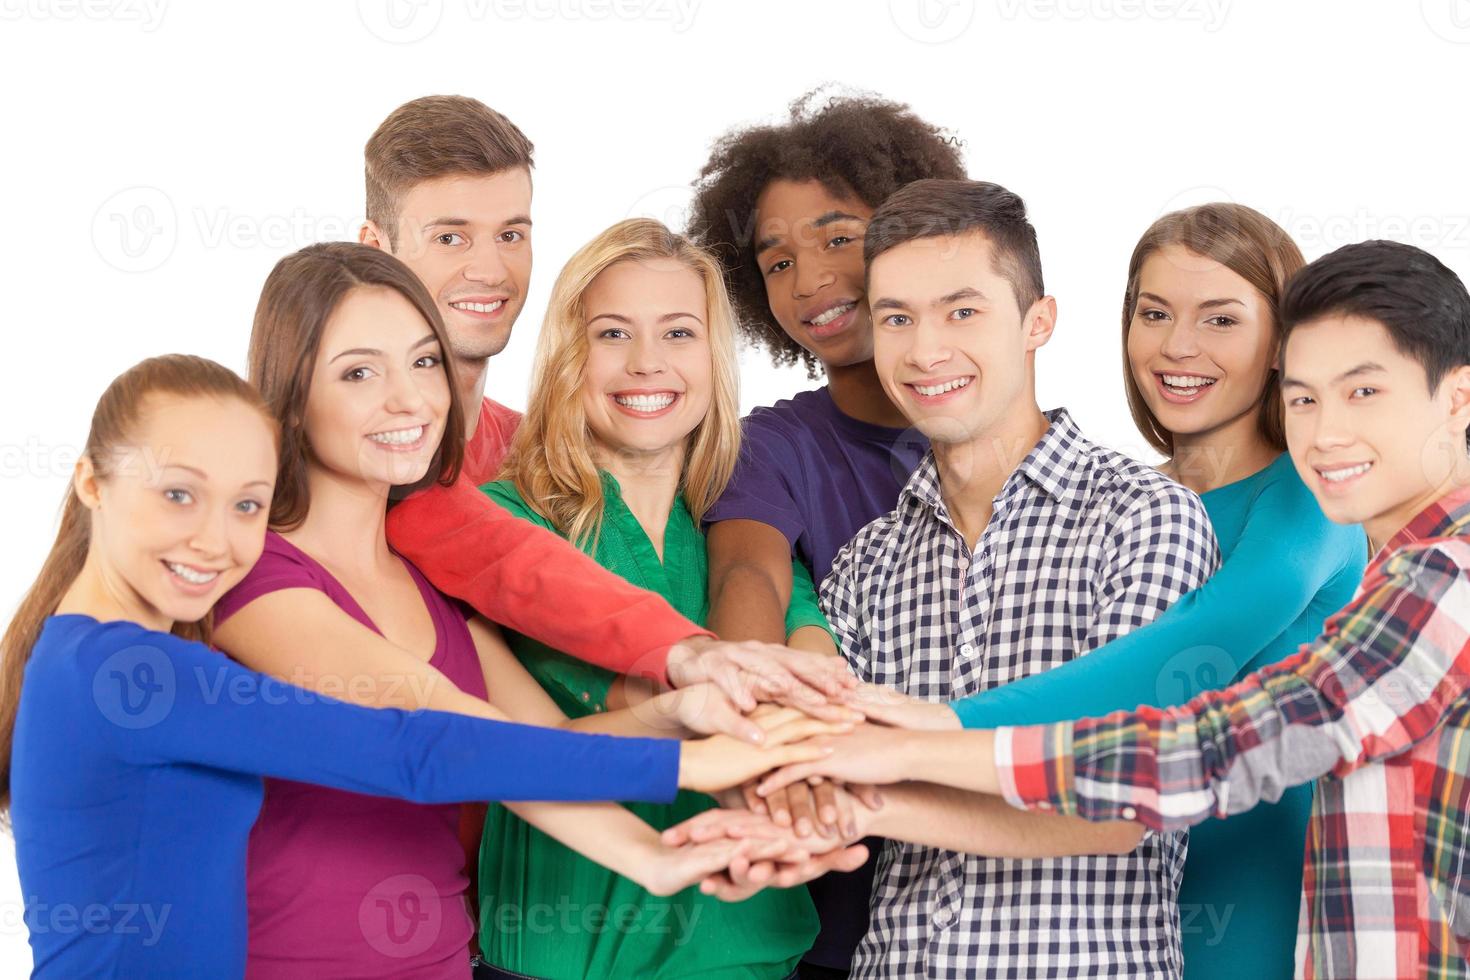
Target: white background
{"type": "Point", "coordinates": [160, 156]}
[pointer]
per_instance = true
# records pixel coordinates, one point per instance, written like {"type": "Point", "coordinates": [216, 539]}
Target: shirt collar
{"type": "Point", "coordinates": [1057, 464]}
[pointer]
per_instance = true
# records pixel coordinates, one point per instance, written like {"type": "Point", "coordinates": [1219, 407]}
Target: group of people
{"type": "Point", "coordinates": [287, 686]}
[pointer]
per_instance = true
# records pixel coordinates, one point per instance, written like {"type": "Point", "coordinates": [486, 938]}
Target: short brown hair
{"type": "Point", "coordinates": [936, 208]}
{"type": "Point", "coordinates": [298, 299]}
{"type": "Point", "coordinates": [1250, 245]}
{"type": "Point", "coordinates": [436, 136]}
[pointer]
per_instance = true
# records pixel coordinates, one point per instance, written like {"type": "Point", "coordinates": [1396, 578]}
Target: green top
{"type": "Point", "coordinates": [1284, 569]}
{"type": "Point", "coordinates": [546, 911]}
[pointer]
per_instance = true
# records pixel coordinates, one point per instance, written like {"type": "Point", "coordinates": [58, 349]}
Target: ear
{"type": "Point", "coordinates": [1457, 385]}
{"type": "Point", "coordinates": [84, 481]}
{"type": "Point", "coordinates": [1041, 320]}
{"type": "Point", "coordinates": [371, 234]}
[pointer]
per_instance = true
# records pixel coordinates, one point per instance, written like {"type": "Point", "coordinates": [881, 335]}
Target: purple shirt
{"type": "Point", "coordinates": [345, 884]}
{"type": "Point", "coordinates": [817, 475]}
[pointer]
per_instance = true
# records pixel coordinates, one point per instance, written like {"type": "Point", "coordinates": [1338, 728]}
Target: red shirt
{"type": "Point", "coordinates": [526, 578]}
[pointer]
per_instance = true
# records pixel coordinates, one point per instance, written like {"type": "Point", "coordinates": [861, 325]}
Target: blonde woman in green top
{"type": "Point", "coordinates": [631, 433]}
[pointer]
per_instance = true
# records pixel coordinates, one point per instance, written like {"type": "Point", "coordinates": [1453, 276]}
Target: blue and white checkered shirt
{"type": "Point", "coordinates": [1083, 546]}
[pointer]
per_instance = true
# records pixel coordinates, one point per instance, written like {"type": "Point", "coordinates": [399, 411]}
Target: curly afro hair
{"type": "Point", "coordinates": [853, 144]}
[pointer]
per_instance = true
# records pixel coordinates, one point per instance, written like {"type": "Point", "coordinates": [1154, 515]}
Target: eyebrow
{"type": "Point", "coordinates": [1208, 304]}
{"type": "Point", "coordinates": [821, 221]}
{"type": "Point", "coordinates": [628, 320]}
{"type": "Point", "coordinates": [203, 476]}
{"type": "Point", "coordinates": [1367, 367]}
{"type": "Point", "coordinates": [520, 219]}
{"type": "Point", "coordinates": [427, 338]}
{"type": "Point", "coordinates": [965, 292]}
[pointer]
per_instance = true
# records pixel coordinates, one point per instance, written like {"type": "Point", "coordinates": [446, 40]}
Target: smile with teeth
{"type": "Point", "coordinates": [647, 403]}
{"type": "Point", "coordinates": [1344, 473]}
{"type": "Point", "coordinates": [193, 576]}
{"type": "Point", "coordinates": [479, 307]}
{"type": "Point", "coordinates": [929, 391]}
{"type": "Point", "coordinates": [824, 318]}
{"type": "Point", "coordinates": [1186, 384]}
{"type": "Point", "coordinates": [399, 437]}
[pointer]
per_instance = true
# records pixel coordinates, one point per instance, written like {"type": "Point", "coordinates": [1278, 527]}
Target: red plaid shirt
{"type": "Point", "coordinates": [1377, 707]}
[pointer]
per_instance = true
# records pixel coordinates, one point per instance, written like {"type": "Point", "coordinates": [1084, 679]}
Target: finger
{"type": "Point", "coordinates": [803, 728]}
{"type": "Point", "coordinates": [803, 813]}
{"type": "Point", "coordinates": [720, 717]}
{"type": "Point", "coordinates": [780, 804]}
{"type": "Point", "coordinates": [835, 809]}
{"type": "Point", "coordinates": [777, 781]}
{"type": "Point", "coordinates": [754, 802]}
{"type": "Point", "coordinates": [820, 707]}
{"type": "Point", "coordinates": [866, 794]}
{"type": "Point", "coordinates": [731, 679]}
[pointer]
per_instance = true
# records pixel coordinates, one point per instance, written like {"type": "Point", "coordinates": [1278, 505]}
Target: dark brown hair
{"type": "Point", "coordinates": [115, 422]}
{"type": "Point", "coordinates": [436, 136]}
{"type": "Point", "coordinates": [859, 146]}
{"type": "Point", "coordinates": [935, 208]}
{"type": "Point", "coordinates": [298, 299]}
{"type": "Point", "coordinates": [1250, 245]}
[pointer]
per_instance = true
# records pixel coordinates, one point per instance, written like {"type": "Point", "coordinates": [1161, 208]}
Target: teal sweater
{"type": "Point", "coordinates": [1285, 569]}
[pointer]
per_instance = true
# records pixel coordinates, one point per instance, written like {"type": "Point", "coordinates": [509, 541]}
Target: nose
{"type": "Point", "coordinates": [1180, 343]}
{"type": "Point", "coordinates": [210, 538]}
{"type": "Point", "coordinates": [404, 393]}
{"type": "Point", "coordinates": [484, 264]}
{"type": "Point", "coordinates": [645, 357]}
{"type": "Point", "coordinates": [928, 347]}
{"type": "Point", "coordinates": [812, 276]}
{"type": "Point", "coordinates": [1330, 428]}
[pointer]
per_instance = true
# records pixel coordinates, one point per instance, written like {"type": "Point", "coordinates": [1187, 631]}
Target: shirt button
{"type": "Point", "coordinates": [1043, 805]}
{"type": "Point", "coordinates": [586, 696]}
{"type": "Point", "coordinates": [943, 918]}
{"type": "Point", "coordinates": [1129, 813]}
{"type": "Point", "coordinates": [967, 650]}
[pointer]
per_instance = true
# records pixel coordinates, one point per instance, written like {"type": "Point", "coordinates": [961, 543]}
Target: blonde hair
{"type": "Point", "coordinates": [551, 461]}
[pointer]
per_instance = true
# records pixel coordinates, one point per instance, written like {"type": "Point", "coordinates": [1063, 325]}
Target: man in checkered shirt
{"type": "Point", "coordinates": [1016, 546]}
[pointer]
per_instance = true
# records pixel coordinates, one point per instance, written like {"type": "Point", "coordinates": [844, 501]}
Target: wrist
{"type": "Point", "coordinates": [681, 658]}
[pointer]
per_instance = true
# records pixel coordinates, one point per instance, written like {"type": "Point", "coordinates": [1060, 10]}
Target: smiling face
{"type": "Point", "coordinates": [809, 245]}
{"type": "Point", "coordinates": [952, 348]}
{"type": "Point", "coordinates": [180, 515]}
{"type": "Point", "coordinates": [1367, 436]}
{"type": "Point", "coordinates": [379, 394]}
{"type": "Point", "coordinates": [468, 237]}
{"type": "Point", "coordinates": [649, 377]}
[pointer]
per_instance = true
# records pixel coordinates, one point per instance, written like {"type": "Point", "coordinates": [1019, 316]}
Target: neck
{"type": "Point", "coordinates": [471, 373]}
{"type": "Point", "coordinates": [100, 593]}
{"type": "Point", "coordinates": [972, 473]}
{"type": "Point", "coordinates": [1383, 528]}
{"type": "Point", "coordinates": [1205, 461]}
{"type": "Point", "coordinates": [857, 393]}
{"type": "Point", "coordinates": [345, 526]}
{"type": "Point", "coordinates": [649, 482]}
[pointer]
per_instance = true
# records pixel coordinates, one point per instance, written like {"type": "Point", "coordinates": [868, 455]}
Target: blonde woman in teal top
{"type": "Point", "coordinates": [1201, 350]}
{"type": "Point", "coordinates": [631, 433]}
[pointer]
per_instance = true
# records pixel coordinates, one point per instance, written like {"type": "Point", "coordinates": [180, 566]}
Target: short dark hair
{"type": "Point", "coordinates": [1420, 302]}
{"type": "Point", "coordinates": [936, 208]}
{"type": "Point", "coordinates": [854, 144]}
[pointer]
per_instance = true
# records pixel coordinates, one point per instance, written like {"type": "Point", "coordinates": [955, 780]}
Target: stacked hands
{"type": "Point", "coordinates": [793, 745]}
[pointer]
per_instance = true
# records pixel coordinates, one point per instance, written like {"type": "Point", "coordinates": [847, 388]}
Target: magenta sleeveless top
{"type": "Point", "coordinates": [343, 884]}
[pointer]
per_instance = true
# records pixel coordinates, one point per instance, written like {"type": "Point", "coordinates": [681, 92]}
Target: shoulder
{"type": "Point", "coordinates": [281, 565]}
{"type": "Point", "coordinates": [72, 646]}
{"type": "Point", "coordinates": [869, 550]}
{"type": "Point", "coordinates": [1431, 569]}
{"type": "Point", "coordinates": [1126, 487]}
{"type": "Point", "coordinates": [505, 494]}
{"type": "Point", "coordinates": [790, 418]}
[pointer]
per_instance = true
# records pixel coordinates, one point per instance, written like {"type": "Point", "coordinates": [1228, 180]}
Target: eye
{"type": "Point", "coordinates": [897, 320]}
{"type": "Point", "coordinates": [680, 333]}
{"type": "Point", "coordinates": [1299, 401]}
{"type": "Point", "coordinates": [250, 506]}
{"type": "Point", "coordinates": [1364, 392]}
{"type": "Point", "coordinates": [614, 333]}
{"type": "Point", "coordinates": [450, 238]}
{"type": "Point", "coordinates": [1221, 321]}
{"type": "Point", "coordinates": [358, 374]}
{"type": "Point", "coordinates": [1152, 316]}
{"type": "Point", "coordinates": [428, 361]}
{"type": "Point", "coordinates": [178, 496]}
{"type": "Point", "coordinates": [963, 313]}
{"type": "Point", "coordinates": [839, 240]}
{"type": "Point", "coordinates": [512, 235]}
{"type": "Point", "coordinates": [779, 266]}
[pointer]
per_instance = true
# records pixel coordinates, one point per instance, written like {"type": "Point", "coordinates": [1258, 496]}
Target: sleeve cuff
{"type": "Point", "coordinates": [1033, 766]}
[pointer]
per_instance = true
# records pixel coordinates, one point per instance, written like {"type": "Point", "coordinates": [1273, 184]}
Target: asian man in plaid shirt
{"type": "Point", "coordinates": [1376, 378]}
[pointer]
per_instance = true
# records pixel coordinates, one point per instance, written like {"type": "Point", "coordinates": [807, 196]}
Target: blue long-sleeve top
{"type": "Point", "coordinates": [136, 775]}
{"type": "Point", "coordinates": [1285, 568]}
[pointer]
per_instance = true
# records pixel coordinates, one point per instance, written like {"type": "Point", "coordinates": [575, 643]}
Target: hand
{"type": "Point", "coordinates": [749, 672]}
{"type": "Point", "coordinates": [860, 805]}
{"type": "Point", "coordinates": [671, 870]}
{"type": "Point", "coordinates": [719, 762]}
{"type": "Point", "coordinates": [788, 875]}
{"type": "Point", "coordinates": [867, 754]}
{"type": "Point", "coordinates": [889, 706]}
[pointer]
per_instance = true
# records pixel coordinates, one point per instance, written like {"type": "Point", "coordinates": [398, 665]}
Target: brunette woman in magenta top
{"type": "Point", "coordinates": [131, 752]}
{"type": "Point", "coordinates": [1200, 348]}
{"type": "Point", "coordinates": [348, 351]}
